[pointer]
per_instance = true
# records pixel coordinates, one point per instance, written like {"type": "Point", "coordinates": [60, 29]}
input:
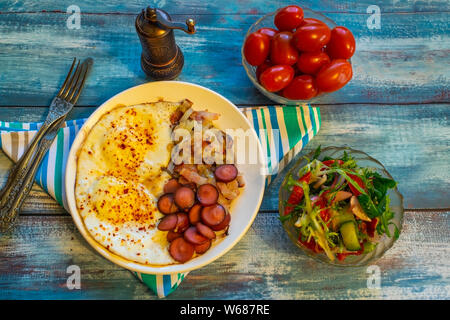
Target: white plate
{"type": "Point", "coordinates": [244, 208]}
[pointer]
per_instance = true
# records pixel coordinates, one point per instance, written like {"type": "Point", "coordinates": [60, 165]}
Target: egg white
{"type": "Point", "coordinates": [120, 177]}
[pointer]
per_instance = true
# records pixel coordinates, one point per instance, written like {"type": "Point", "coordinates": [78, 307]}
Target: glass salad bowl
{"type": "Point", "coordinates": [267, 22]}
{"type": "Point", "coordinates": [363, 160]}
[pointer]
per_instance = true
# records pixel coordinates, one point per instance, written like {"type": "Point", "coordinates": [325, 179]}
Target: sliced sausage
{"type": "Point", "coordinates": [207, 194]}
{"type": "Point", "coordinates": [226, 172]}
{"type": "Point", "coordinates": [194, 213]}
{"type": "Point", "coordinates": [191, 185]}
{"type": "Point", "coordinates": [205, 231]}
{"type": "Point", "coordinates": [181, 250]}
{"type": "Point", "coordinates": [202, 248]}
{"type": "Point", "coordinates": [184, 198]}
{"type": "Point", "coordinates": [182, 222]}
{"type": "Point", "coordinates": [223, 224]}
{"type": "Point", "coordinates": [193, 236]}
{"type": "Point", "coordinates": [213, 215]}
{"type": "Point", "coordinates": [171, 235]}
{"type": "Point", "coordinates": [171, 186]}
{"type": "Point", "coordinates": [166, 204]}
{"type": "Point", "coordinates": [169, 222]}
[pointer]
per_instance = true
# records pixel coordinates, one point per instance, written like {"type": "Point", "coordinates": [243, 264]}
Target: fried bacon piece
{"type": "Point", "coordinates": [192, 176]}
{"type": "Point", "coordinates": [204, 115]}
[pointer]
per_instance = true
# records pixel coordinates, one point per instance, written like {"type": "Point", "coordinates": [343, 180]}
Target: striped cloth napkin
{"type": "Point", "coordinates": [283, 132]}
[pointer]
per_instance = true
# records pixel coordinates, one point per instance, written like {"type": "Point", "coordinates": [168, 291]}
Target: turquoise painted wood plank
{"type": "Point", "coordinates": [412, 142]}
{"type": "Point", "coordinates": [263, 265]}
{"type": "Point", "coordinates": [224, 7]}
{"type": "Point", "coordinates": [400, 63]}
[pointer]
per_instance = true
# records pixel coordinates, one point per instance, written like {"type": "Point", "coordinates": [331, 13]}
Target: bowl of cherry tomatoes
{"type": "Point", "coordinates": [295, 55]}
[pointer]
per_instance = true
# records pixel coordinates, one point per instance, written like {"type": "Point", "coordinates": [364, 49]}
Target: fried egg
{"type": "Point", "coordinates": [120, 177]}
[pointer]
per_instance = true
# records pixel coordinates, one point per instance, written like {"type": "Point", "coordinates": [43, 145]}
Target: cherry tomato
{"type": "Point", "coordinates": [277, 77]}
{"type": "Point", "coordinates": [311, 37]}
{"type": "Point", "coordinates": [301, 88]}
{"type": "Point", "coordinates": [270, 32]}
{"type": "Point", "coordinates": [288, 18]}
{"type": "Point", "coordinates": [329, 163]}
{"type": "Point", "coordinates": [342, 43]}
{"type": "Point", "coordinates": [311, 62]}
{"type": "Point", "coordinates": [334, 75]}
{"type": "Point", "coordinates": [256, 48]}
{"type": "Point", "coordinates": [311, 21]}
{"type": "Point", "coordinates": [282, 51]}
{"type": "Point", "coordinates": [263, 67]}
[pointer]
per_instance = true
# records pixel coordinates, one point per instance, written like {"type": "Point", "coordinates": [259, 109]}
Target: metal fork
{"type": "Point", "coordinates": [21, 178]}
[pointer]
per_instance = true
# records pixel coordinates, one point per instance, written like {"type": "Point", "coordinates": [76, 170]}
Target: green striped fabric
{"type": "Point", "coordinates": [283, 132]}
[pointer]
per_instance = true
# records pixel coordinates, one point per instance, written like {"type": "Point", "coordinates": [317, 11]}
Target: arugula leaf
{"type": "Point", "coordinates": [369, 247]}
{"type": "Point", "coordinates": [396, 231]}
{"type": "Point", "coordinates": [291, 182]}
{"type": "Point", "coordinates": [330, 178]}
{"type": "Point", "coordinates": [385, 222]}
{"type": "Point", "coordinates": [381, 185]}
{"type": "Point", "coordinates": [285, 218]}
{"type": "Point", "coordinates": [349, 162]}
{"type": "Point", "coordinates": [317, 153]}
{"type": "Point", "coordinates": [368, 206]}
{"type": "Point", "coordinates": [346, 157]}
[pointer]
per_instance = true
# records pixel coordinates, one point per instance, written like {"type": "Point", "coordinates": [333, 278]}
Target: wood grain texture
{"type": "Point", "coordinates": [395, 108]}
{"type": "Point", "coordinates": [400, 63]}
{"type": "Point", "coordinates": [223, 7]}
{"type": "Point", "coordinates": [412, 142]}
{"type": "Point", "coordinates": [35, 257]}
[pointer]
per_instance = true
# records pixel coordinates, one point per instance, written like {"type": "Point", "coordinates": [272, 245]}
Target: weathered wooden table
{"type": "Point", "coordinates": [396, 108]}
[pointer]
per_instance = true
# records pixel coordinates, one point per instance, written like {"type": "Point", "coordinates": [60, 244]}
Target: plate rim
{"type": "Point", "coordinates": [70, 175]}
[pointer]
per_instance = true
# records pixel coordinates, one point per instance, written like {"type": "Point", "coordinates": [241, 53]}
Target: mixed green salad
{"type": "Point", "coordinates": [339, 207]}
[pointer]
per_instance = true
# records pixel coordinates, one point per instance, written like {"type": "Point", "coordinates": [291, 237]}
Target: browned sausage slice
{"type": "Point", "coordinates": [166, 204]}
{"type": "Point", "coordinates": [213, 215]}
{"type": "Point", "coordinates": [184, 198]}
{"type": "Point", "coordinates": [182, 222]}
{"type": "Point", "coordinates": [207, 194]}
{"type": "Point", "coordinates": [205, 231]}
{"type": "Point", "coordinates": [169, 222]}
{"type": "Point", "coordinates": [202, 248]}
{"type": "Point", "coordinates": [171, 235]}
{"type": "Point", "coordinates": [193, 236]}
{"type": "Point", "coordinates": [181, 250]}
{"type": "Point", "coordinates": [194, 213]}
{"type": "Point", "coordinates": [191, 185]}
{"type": "Point", "coordinates": [171, 186]}
{"type": "Point", "coordinates": [226, 172]}
{"type": "Point", "coordinates": [223, 224]}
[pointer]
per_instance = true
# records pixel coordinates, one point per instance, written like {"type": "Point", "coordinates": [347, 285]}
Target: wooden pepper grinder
{"type": "Point", "coordinates": [161, 58]}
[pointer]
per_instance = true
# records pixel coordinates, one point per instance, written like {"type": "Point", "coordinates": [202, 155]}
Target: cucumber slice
{"type": "Point", "coordinates": [350, 236]}
{"type": "Point", "coordinates": [341, 218]}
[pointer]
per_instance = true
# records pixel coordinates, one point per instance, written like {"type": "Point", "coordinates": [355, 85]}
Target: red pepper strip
{"type": "Point", "coordinates": [342, 256]}
{"type": "Point", "coordinates": [329, 163]}
{"type": "Point", "coordinates": [325, 215]}
{"type": "Point", "coordinates": [311, 244]}
{"type": "Point", "coordinates": [296, 194]}
{"type": "Point", "coordinates": [371, 226]}
{"type": "Point", "coordinates": [321, 202]}
{"type": "Point", "coordinates": [359, 182]}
